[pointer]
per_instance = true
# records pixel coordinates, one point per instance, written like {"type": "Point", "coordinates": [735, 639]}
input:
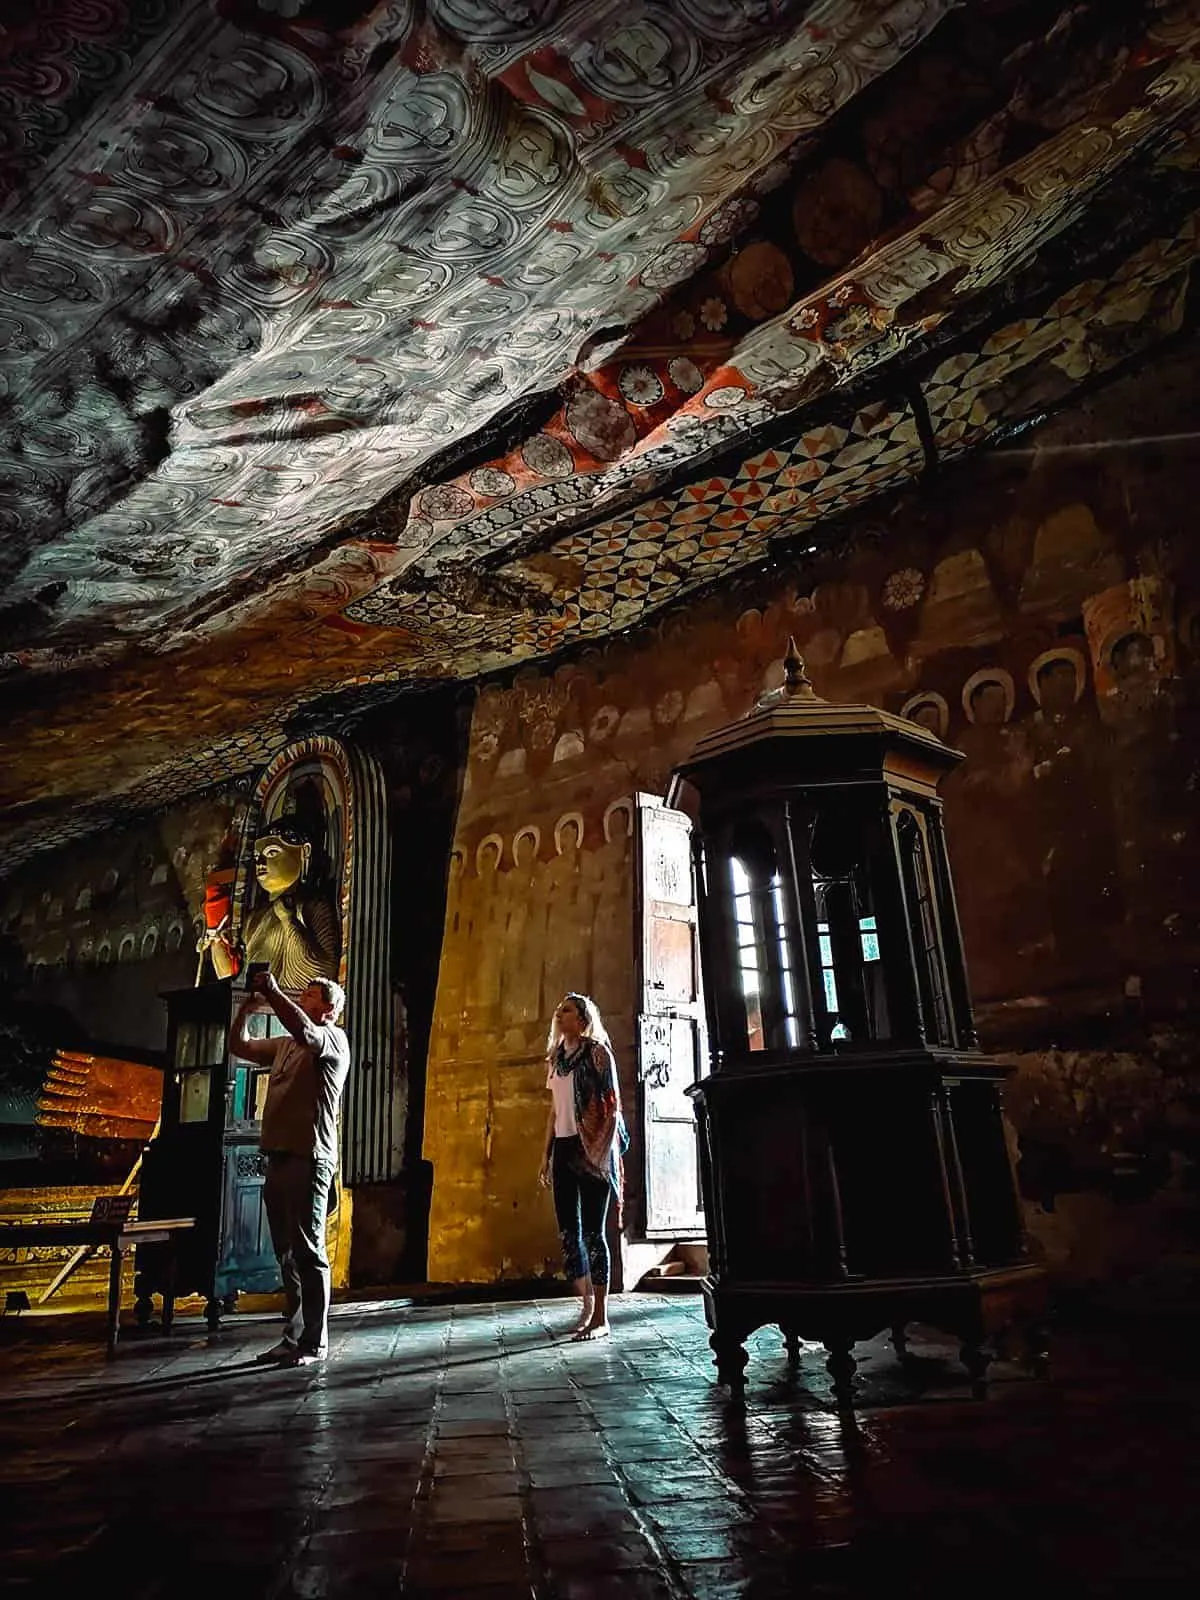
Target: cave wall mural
{"type": "Point", "coordinates": [359, 358]}
{"type": "Point", "coordinates": [1038, 610]}
{"type": "Point", "coordinates": [362, 345]}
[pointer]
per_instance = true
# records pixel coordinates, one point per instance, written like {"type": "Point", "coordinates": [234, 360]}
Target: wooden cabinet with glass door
{"type": "Point", "coordinates": [853, 1155]}
{"type": "Point", "coordinates": [205, 1162]}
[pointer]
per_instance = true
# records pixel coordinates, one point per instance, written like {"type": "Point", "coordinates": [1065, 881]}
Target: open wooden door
{"type": "Point", "coordinates": [672, 1049]}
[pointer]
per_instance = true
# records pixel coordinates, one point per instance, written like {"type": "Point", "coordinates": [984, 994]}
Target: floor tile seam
{"type": "Point", "coordinates": [419, 1513]}
{"type": "Point", "coordinates": [534, 1555]}
{"type": "Point", "coordinates": [95, 1387]}
{"type": "Point", "coordinates": [315, 1496]}
{"type": "Point", "coordinates": [728, 1488]}
{"type": "Point", "coordinates": [667, 1565]}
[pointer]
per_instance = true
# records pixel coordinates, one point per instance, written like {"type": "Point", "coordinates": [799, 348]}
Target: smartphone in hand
{"type": "Point", "coordinates": [256, 974]}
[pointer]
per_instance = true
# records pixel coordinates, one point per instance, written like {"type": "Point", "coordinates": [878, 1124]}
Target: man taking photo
{"type": "Point", "coordinates": [300, 1141]}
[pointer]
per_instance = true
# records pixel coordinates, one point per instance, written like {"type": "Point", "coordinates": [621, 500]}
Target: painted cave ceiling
{"type": "Point", "coordinates": [348, 346]}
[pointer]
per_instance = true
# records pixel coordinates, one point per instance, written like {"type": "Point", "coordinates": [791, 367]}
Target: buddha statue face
{"type": "Point", "coordinates": [280, 861]}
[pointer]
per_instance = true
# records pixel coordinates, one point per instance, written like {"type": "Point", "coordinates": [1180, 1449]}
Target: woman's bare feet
{"type": "Point", "coordinates": [586, 1290]}
{"type": "Point", "coordinates": [591, 1330]}
{"type": "Point", "coordinates": [582, 1321]}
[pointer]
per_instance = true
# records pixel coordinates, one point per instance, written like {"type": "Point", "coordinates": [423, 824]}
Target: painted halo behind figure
{"type": "Point", "coordinates": [585, 1139]}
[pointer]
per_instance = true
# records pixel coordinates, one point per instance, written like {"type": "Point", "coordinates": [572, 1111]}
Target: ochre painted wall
{"type": "Point", "coordinates": [1045, 599]}
{"type": "Point", "coordinates": [525, 921]}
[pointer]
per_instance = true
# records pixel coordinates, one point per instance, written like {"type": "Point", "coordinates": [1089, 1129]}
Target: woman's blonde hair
{"type": "Point", "coordinates": [593, 1023]}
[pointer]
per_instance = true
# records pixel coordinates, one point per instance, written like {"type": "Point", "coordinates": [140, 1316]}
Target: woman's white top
{"type": "Point", "coordinates": [563, 1090]}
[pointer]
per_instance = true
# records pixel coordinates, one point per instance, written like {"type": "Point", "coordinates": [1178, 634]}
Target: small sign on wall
{"type": "Point", "coordinates": [111, 1208]}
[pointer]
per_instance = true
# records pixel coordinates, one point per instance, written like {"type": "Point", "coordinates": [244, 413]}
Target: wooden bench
{"type": "Point", "coordinates": [115, 1234]}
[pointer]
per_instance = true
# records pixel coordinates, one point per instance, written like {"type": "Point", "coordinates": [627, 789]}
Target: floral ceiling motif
{"type": "Point", "coordinates": [374, 343]}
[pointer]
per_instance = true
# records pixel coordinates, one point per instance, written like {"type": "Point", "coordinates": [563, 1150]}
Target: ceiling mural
{"type": "Point", "coordinates": [372, 344]}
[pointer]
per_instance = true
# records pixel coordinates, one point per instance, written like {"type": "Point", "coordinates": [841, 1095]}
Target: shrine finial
{"type": "Point", "coordinates": [795, 676]}
{"type": "Point", "coordinates": [796, 684]}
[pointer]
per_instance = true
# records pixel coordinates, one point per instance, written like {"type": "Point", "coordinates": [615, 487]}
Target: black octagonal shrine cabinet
{"type": "Point", "coordinates": [854, 1165]}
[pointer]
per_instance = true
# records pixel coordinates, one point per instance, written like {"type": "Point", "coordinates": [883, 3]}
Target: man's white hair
{"type": "Point", "coordinates": [334, 993]}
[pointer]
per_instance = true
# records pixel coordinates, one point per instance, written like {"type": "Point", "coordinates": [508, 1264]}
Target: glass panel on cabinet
{"type": "Point", "coordinates": [765, 958]}
{"type": "Point", "coordinates": [186, 1041]}
{"type": "Point", "coordinates": [852, 993]}
{"type": "Point", "coordinates": [235, 1104]}
{"type": "Point", "coordinates": [924, 929]}
{"type": "Point", "coordinates": [212, 1044]}
{"type": "Point", "coordinates": [194, 1090]}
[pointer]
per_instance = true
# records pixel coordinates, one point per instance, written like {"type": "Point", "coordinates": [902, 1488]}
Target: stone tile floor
{"type": "Point", "coordinates": [468, 1451]}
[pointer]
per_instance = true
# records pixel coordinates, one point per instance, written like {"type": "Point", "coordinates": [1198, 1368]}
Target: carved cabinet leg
{"type": "Point", "coordinates": [168, 1292]}
{"type": "Point", "coordinates": [730, 1356]}
{"type": "Point", "coordinates": [143, 1304]}
{"type": "Point", "coordinates": [1037, 1353]}
{"type": "Point", "coordinates": [841, 1367]}
{"type": "Point", "coordinates": [114, 1296]}
{"type": "Point", "coordinates": [976, 1360]}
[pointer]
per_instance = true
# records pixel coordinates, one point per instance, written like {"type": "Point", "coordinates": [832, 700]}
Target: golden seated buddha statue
{"type": "Point", "coordinates": [293, 925]}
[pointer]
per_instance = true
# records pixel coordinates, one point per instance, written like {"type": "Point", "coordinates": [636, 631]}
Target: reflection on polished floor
{"type": "Point", "coordinates": [466, 1450]}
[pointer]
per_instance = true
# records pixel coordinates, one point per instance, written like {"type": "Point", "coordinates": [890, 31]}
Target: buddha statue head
{"type": "Point", "coordinates": [283, 855]}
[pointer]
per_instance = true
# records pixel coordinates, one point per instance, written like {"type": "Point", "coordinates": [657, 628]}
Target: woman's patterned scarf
{"type": "Point", "coordinates": [598, 1117]}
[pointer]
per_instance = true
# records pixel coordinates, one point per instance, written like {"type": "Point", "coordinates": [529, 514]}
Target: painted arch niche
{"type": "Point", "coordinates": [293, 894]}
{"type": "Point", "coordinates": [327, 802]}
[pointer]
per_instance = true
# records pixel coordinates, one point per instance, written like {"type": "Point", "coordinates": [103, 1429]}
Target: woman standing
{"type": "Point", "coordinates": [585, 1138]}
